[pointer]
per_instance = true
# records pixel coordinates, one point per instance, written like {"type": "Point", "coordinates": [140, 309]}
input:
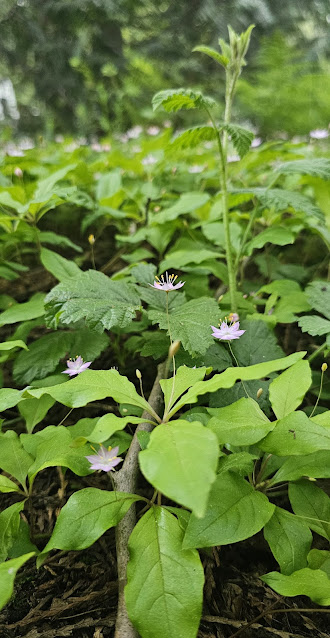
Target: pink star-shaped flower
{"type": "Point", "coordinates": [76, 366]}
{"type": "Point", "coordinates": [227, 333]}
{"type": "Point", "coordinates": [167, 283]}
{"type": "Point", "coordinates": [105, 459]}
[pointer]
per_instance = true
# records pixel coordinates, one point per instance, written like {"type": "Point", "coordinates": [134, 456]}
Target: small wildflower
{"type": "Point", "coordinates": [153, 130]}
{"type": "Point", "coordinates": [256, 142]}
{"type": "Point", "coordinates": [105, 459]}
{"type": "Point", "coordinates": [196, 168]}
{"type": "Point", "coordinates": [167, 283]}
{"type": "Point", "coordinates": [149, 160]}
{"type": "Point", "coordinates": [233, 316]}
{"type": "Point", "coordinates": [134, 133]}
{"type": "Point", "coordinates": [227, 333]}
{"type": "Point", "coordinates": [18, 172]}
{"type": "Point", "coordinates": [319, 134]}
{"type": "Point", "coordinates": [76, 366]}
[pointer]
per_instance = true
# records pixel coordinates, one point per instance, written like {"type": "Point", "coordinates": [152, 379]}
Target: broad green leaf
{"type": "Point", "coordinates": [311, 503]}
{"type": "Point", "coordinates": [108, 186]}
{"type": "Point", "coordinates": [318, 295]}
{"type": "Point", "coordinates": [6, 485]}
{"type": "Point", "coordinates": [259, 344]}
{"type": "Point", "coordinates": [281, 200]}
{"type": "Point", "coordinates": [86, 516]}
{"type": "Point", "coordinates": [94, 385]}
{"type": "Point", "coordinates": [45, 353]}
{"type": "Point", "coordinates": [45, 186]}
{"type": "Point", "coordinates": [190, 323]}
{"type": "Point", "coordinates": [315, 166]}
{"type": "Point", "coordinates": [241, 423]}
{"type": "Point", "coordinates": [296, 434]}
{"type": "Point", "coordinates": [240, 462]}
{"type": "Point", "coordinates": [289, 540]}
{"type": "Point", "coordinates": [8, 571]}
{"type": "Point", "coordinates": [164, 591]}
{"type": "Point", "coordinates": [13, 458]}
{"type": "Point", "coordinates": [22, 542]}
{"type": "Point", "coordinates": [24, 311]}
{"type": "Point", "coordinates": [241, 137]}
{"type": "Point", "coordinates": [314, 325]}
{"type": "Point", "coordinates": [9, 526]}
{"type": "Point", "coordinates": [235, 512]}
{"type": "Point", "coordinates": [227, 378]}
{"type": "Point", "coordinates": [58, 266]}
{"type": "Point", "coordinates": [287, 391]}
{"type": "Point", "coordinates": [304, 582]}
{"type": "Point", "coordinates": [34, 410]}
{"type": "Point", "coordinates": [315, 465]}
{"type": "Point", "coordinates": [180, 461]}
{"type": "Point", "coordinates": [192, 137]}
{"type": "Point", "coordinates": [54, 448]}
{"type": "Point", "coordinates": [108, 424]}
{"type": "Point", "coordinates": [174, 100]}
{"type": "Point", "coordinates": [278, 235]}
{"type": "Point", "coordinates": [187, 203]}
{"type": "Point", "coordinates": [319, 559]}
{"type": "Point", "coordinates": [184, 378]}
{"type": "Point", "coordinates": [9, 397]}
{"type": "Point", "coordinates": [9, 345]}
{"type": "Point", "coordinates": [212, 53]}
{"type": "Point", "coordinates": [92, 296]}
{"type": "Point", "coordinates": [48, 237]}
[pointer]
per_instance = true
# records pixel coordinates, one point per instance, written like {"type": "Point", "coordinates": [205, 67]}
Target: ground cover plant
{"type": "Point", "coordinates": [190, 267]}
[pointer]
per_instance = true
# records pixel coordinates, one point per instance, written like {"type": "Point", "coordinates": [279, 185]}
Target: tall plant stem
{"type": "Point", "coordinates": [125, 480]}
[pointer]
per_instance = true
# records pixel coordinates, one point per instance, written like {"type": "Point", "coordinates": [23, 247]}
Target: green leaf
{"type": "Point", "coordinates": [281, 200]}
{"type": "Point", "coordinates": [174, 100]}
{"type": "Point", "coordinates": [108, 424]}
{"type": "Point", "coordinates": [58, 266]}
{"type": "Point", "coordinates": [192, 137]}
{"type": "Point", "coordinates": [304, 582]}
{"type": "Point", "coordinates": [315, 465]}
{"type": "Point", "coordinates": [94, 385]}
{"type": "Point", "coordinates": [86, 516]}
{"type": "Point", "coordinates": [180, 462]}
{"type": "Point", "coordinates": [13, 458]}
{"type": "Point", "coordinates": [48, 237]}
{"type": "Point", "coordinates": [235, 512]}
{"type": "Point", "coordinates": [289, 540]}
{"type": "Point", "coordinates": [10, 345]}
{"type": "Point", "coordinates": [190, 323]}
{"type": "Point", "coordinates": [241, 462]}
{"type": "Point", "coordinates": [7, 576]}
{"type": "Point", "coordinates": [240, 137]}
{"type": "Point", "coordinates": [6, 485]}
{"type": "Point", "coordinates": [92, 296]}
{"type": "Point", "coordinates": [314, 325]}
{"type": "Point", "coordinates": [241, 423]}
{"type": "Point", "coordinates": [46, 185]}
{"type": "Point", "coordinates": [9, 397]}
{"type": "Point", "coordinates": [287, 391]}
{"type": "Point", "coordinates": [259, 344]}
{"type": "Point", "coordinates": [229, 377]}
{"type": "Point", "coordinates": [318, 295]}
{"type": "Point", "coordinates": [108, 186]}
{"type": "Point", "coordinates": [9, 526]}
{"type": "Point", "coordinates": [164, 592]}
{"type": "Point", "coordinates": [311, 503]}
{"type": "Point", "coordinates": [187, 203]}
{"type": "Point", "coordinates": [315, 166]}
{"type": "Point", "coordinates": [296, 434]}
{"type": "Point", "coordinates": [34, 410]}
{"type": "Point", "coordinates": [277, 235]}
{"type": "Point", "coordinates": [319, 559]}
{"type": "Point", "coordinates": [184, 378]}
{"type": "Point", "coordinates": [45, 353]}
{"type": "Point", "coordinates": [212, 53]}
{"type": "Point", "coordinates": [24, 311]}
{"type": "Point", "coordinates": [22, 543]}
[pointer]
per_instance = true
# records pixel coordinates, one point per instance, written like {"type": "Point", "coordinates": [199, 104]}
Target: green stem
{"type": "Point", "coordinates": [173, 382]}
{"type": "Point", "coordinates": [245, 236]}
{"type": "Point", "coordinates": [317, 352]}
{"type": "Point", "coordinates": [319, 394]}
{"type": "Point", "coordinates": [242, 382]}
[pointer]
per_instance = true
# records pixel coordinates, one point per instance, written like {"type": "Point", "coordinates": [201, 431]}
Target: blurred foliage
{"type": "Point", "coordinates": [91, 66]}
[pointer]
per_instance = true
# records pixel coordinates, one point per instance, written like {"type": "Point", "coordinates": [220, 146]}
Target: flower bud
{"type": "Point", "coordinates": [324, 367]}
{"type": "Point", "coordinates": [138, 374]}
{"type": "Point", "coordinates": [259, 393]}
{"type": "Point", "coordinates": [173, 349]}
{"type": "Point", "coordinates": [91, 239]}
{"type": "Point", "coordinates": [18, 172]}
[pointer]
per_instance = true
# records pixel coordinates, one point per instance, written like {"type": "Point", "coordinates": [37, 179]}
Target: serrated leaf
{"type": "Point", "coordinates": [8, 571]}
{"type": "Point", "coordinates": [92, 296]}
{"type": "Point", "coordinates": [173, 100]}
{"type": "Point", "coordinates": [281, 199]}
{"type": "Point", "coordinates": [192, 137]}
{"type": "Point", "coordinates": [240, 137]}
{"type": "Point", "coordinates": [13, 458]}
{"type": "Point", "coordinates": [235, 512]}
{"type": "Point", "coordinates": [287, 391]}
{"type": "Point", "coordinates": [304, 582]}
{"type": "Point", "coordinates": [24, 311]}
{"type": "Point", "coordinates": [164, 591]}
{"type": "Point", "coordinates": [296, 434]}
{"type": "Point", "coordinates": [180, 462]}
{"type": "Point", "coordinates": [212, 53]}
{"type": "Point", "coordinates": [289, 540]}
{"type": "Point", "coordinates": [315, 166]}
{"type": "Point", "coordinates": [190, 323]}
{"type": "Point", "coordinates": [312, 504]}
{"type": "Point", "coordinates": [314, 325]}
{"type": "Point", "coordinates": [57, 265]}
{"type": "Point", "coordinates": [241, 423]}
{"type": "Point", "coordinates": [318, 295]}
{"type": "Point", "coordinates": [259, 344]}
{"type": "Point", "coordinates": [86, 516]}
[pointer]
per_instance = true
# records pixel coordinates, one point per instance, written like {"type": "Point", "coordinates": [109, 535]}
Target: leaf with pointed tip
{"type": "Point", "coordinates": [9, 345]}
{"type": "Point", "coordinates": [58, 266]}
{"type": "Point", "coordinates": [289, 540]}
{"type": "Point", "coordinates": [294, 435]}
{"type": "Point", "coordinates": [23, 311]}
{"type": "Point", "coordinates": [174, 387]}
{"type": "Point", "coordinates": [173, 100]}
{"type": "Point", "coordinates": [241, 423]}
{"type": "Point", "coordinates": [314, 325]}
{"type": "Point", "coordinates": [304, 582]}
{"type": "Point", "coordinates": [212, 53]}
{"type": "Point", "coordinates": [192, 137]}
{"type": "Point", "coordinates": [8, 571]}
{"type": "Point", "coordinates": [287, 391]}
{"type": "Point", "coordinates": [240, 137]}
{"type": "Point", "coordinates": [13, 458]}
{"type": "Point", "coordinates": [312, 504]}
